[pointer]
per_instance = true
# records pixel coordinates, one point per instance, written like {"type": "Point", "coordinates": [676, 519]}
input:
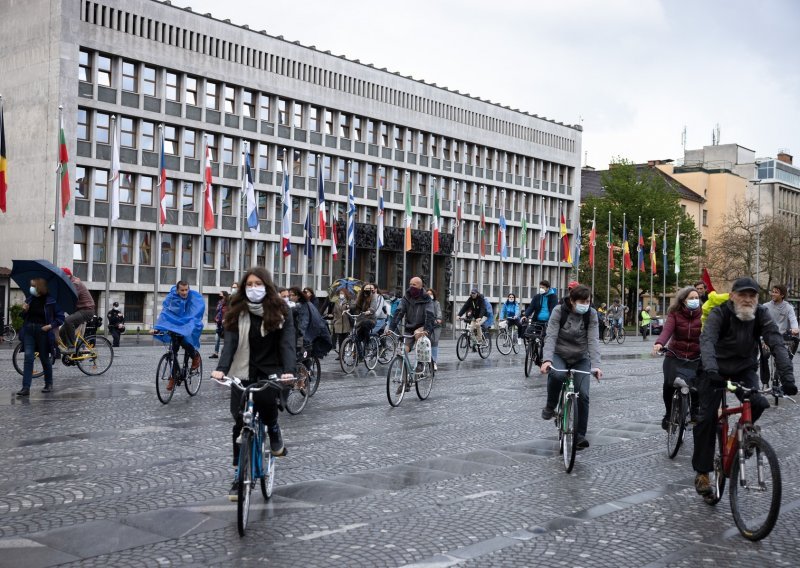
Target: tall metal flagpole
{"type": "Point", "coordinates": [593, 250]}
{"type": "Point", "coordinates": [677, 257]}
{"type": "Point", "coordinates": [406, 199]}
{"type": "Point", "coordinates": [317, 283]}
{"type": "Point", "coordinates": [561, 252]}
{"type": "Point", "coordinates": [202, 216]}
{"type": "Point", "coordinates": [377, 242]}
{"type": "Point", "coordinates": [243, 214]}
{"type": "Point", "coordinates": [56, 223]}
{"type": "Point", "coordinates": [608, 263]}
{"type": "Point", "coordinates": [347, 223]}
{"type": "Point", "coordinates": [653, 249]}
{"type": "Point", "coordinates": [433, 220]}
{"type": "Point", "coordinates": [456, 246]}
{"type": "Point", "coordinates": [113, 203]}
{"type": "Point", "coordinates": [502, 199]}
{"type": "Point", "coordinates": [664, 280]}
{"type": "Point", "coordinates": [625, 235]}
{"type": "Point", "coordinates": [639, 253]}
{"type": "Point", "coordinates": [542, 241]}
{"type": "Point", "coordinates": [576, 260]}
{"type": "Point", "coordinates": [157, 245]}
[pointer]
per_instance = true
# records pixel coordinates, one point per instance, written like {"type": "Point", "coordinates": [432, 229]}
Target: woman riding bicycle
{"type": "Point", "coordinates": [259, 342]}
{"type": "Point", "coordinates": [572, 342]}
{"type": "Point", "coordinates": [510, 312]}
{"type": "Point", "coordinates": [682, 334]}
{"type": "Point", "coordinates": [366, 306]}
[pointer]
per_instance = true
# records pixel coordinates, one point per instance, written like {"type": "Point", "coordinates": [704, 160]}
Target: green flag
{"type": "Point", "coordinates": [523, 240]}
{"type": "Point", "coordinates": [678, 250]}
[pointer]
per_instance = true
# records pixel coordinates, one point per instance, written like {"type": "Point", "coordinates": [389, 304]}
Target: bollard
{"type": "Point", "coordinates": [137, 335]}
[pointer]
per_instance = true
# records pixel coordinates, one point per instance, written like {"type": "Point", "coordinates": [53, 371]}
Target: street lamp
{"type": "Point", "coordinates": [757, 182]}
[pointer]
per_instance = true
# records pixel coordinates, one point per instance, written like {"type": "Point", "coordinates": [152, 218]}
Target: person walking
{"type": "Point", "coordinates": [341, 321]}
{"type": "Point", "coordinates": [259, 342]}
{"type": "Point", "coordinates": [116, 323]}
{"type": "Point", "coordinates": [41, 315]}
{"type": "Point", "coordinates": [437, 327]}
{"type": "Point", "coordinates": [219, 317]}
{"type": "Point", "coordinates": [644, 322]}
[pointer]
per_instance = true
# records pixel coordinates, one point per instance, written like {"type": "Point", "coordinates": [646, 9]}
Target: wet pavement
{"type": "Point", "coordinates": [99, 473]}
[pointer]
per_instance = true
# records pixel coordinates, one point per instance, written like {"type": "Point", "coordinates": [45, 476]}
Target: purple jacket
{"type": "Point", "coordinates": [682, 331]}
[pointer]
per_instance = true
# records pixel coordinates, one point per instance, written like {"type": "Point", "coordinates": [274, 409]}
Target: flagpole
{"type": "Point", "coordinates": [347, 224]}
{"type": "Point", "coordinates": [56, 223]}
{"type": "Point", "coordinates": [377, 240]}
{"type": "Point", "coordinates": [113, 205]}
{"type": "Point", "coordinates": [202, 215]}
{"type": "Point", "coordinates": [638, 273]}
{"type": "Point", "coordinates": [561, 246]}
{"type": "Point", "coordinates": [542, 238]}
{"type": "Point", "coordinates": [157, 247]}
{"type": "Point", "coordinates": [334, 224]}
{"type": "Point", "coordinates": [407, 222]}
{"type": "Point", "coordinates": [456, 246]}
{"type": "Point", "coordinates": [592, 249]}
{"type": "Point", "coordinates": [243, 213]}
{"type": "Point", "coordinates": [653, 248]}
{"type": "Point", "coordinates": [577, 260]}
{"type": "Point", "coordinates": [317, 285]}
{"type": "Point", "coordinates": [664, 280]}
{"type": "Point", "coordinates": [608, 263]}
{"type": "Point", "coordinates": [677, 257]}
{"type": "Point", "coordinates": [433, 184]}
{"type": "Point", "coordinates": [625, 241]}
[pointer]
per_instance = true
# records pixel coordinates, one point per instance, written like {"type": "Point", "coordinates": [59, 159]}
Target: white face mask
{"type": "Point", "coordinates": [693, 304]}
{"type": "Point", "coordinates": [33, 291]}
{"type": "Point", "coordinates": [542, 290]}
{"type": "Point", "coordinates": [581, 308]}
{"type": "Point", "coordinates": [256, 293]}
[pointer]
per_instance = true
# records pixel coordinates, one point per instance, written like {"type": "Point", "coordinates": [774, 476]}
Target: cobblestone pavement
{"type": "Point", "coordinates": [99, 473]}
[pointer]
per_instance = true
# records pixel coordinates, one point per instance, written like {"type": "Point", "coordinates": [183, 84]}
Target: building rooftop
{"type": "Point", "coordinates": [592, 186]}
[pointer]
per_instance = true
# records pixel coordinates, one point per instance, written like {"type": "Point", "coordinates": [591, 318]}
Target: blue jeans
{"type": "Point", "coordinates": [581, 383]}
{"type": "Point", "coordinates": [216, 345]}
{"type": "Point", "coordinates": [36, 340]}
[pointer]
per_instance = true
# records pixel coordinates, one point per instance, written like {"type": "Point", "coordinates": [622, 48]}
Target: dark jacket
{"type": "Point", "coordinates": [417, 313]}
{"type": "Point", "coordinates": [277, 353]}
{"type": "Point", "coordinates": [53, 315]}
{"type": "Point", "coordinates": [729, 352]}
{"type": "Point", "coordinates": [115, 318]}
{"type": "Point", "coordinates": [535, 307]}
{"type": "Point", "coordinates": [474, 307]}
{"type": "Point", "coordinates": [682, 331]}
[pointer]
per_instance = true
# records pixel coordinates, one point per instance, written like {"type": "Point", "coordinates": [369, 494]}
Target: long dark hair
{"type": "Point", "coordinates": [363, 301]}
{"type": "Point", "coordinates": [275, 309]}
{"type": "Point", "coordinates": [301, 299]}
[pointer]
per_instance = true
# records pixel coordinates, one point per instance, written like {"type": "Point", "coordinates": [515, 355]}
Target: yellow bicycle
{"type": "Point", "coordinates": [92, 354]}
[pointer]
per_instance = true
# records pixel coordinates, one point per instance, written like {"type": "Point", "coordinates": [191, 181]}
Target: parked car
{"type": "Point", "coordinates": [657, 325]}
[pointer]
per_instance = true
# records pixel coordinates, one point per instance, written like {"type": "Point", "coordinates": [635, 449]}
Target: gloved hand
{"type": "Point", "coordinates": [789, 389]}
{"type": "Point", "coordinates": [715, 379]}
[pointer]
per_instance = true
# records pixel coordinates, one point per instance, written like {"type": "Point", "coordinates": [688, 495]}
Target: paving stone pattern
{"type": "Point", "coordinates": [100, 473]}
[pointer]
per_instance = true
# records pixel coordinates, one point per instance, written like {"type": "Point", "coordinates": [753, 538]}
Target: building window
{"type": "Point", "coordinates": [225, 254]}
{"type": "Point", "coordinates": [248, 104]}
{"type": "Point", "coordinates": [357, 129]}
{"type": "Point", "coordinates": [101, 185]}
{"type": "Point", "coordinates": [341, 164]}
{"type": "Point", "coordinates": [261, 253]}
{"type": "Point", "coordinates": [149, 81]}
{"type": "Point", "coordinates": [227, 200]}
{"type": "Point", "coordinates": [171, 194]}
{"type": "Point", "coordinates": [126, 187]}
{"type": "Point", "coordinates": [83, 124]}
{"type": "Point", "coordinates": [81, 182]}
{"type": "Point", "coordinates": [313, 119]}
{"type": "Point", "coordinates": [187, 196]}
{"type": "Point", "coordinates": [398, 138]}
{"type": "Point", "coordinates": [101, 127]}
{"type": "Point", "coordinates": [130, 81]}
{"type": "Point", "coordinates": [326, 167]}
{"type": "Point", "coordinates": [211, 142]}
{"type": "Point", "coordinates": [124, 255]}
{"type": "Point", "coordinates": [344, 125]}
{"type": "Point", "coordinates": [191, 91]}
{"type": "Point", "coordinates": [103, 71]}
{"type": "Point", "coordinates": [189, 143]}
{"type": "Point", "coordinates": [173, 92]}
{"type": "Point", "coordinates": [298, 115]}
{"type": "Point", "coordinates": [170, 140]}
{"type": "Point", "coordinates": [384, 135]}
{"type": "Point", "coordinates": [283, 115]}
{"type": "Point", "coordinates": [396, 180]}
{"type": "Point", "coordinates": [148, 136]}
{"type": "Point", "coordinates": [167, 249]}
{"type": "Point", "coordinates": [372, 134]}
{"type": "Point", "coordinates": [264, 112]}
{"type": "Point", "coordinates": [230, 100]}
{"type": "Point", "coordinates": [297, 164]}
{"type": "Point", "coordinates": [99, 244]}
{"type": "Point", "coordinates": [328, 123]}
{"type": "Point", "coordinates": [134, 307]}
{"type": "Point", "coordinates": [145, 250]}
{"type": "Point", "coordinates": [370, 175]}
{"type": "Point", "coordinates": [263, 156]}
{"type": "Point", "coordinates": [212, 95]}
{"type": "Point", "coordinates": [79, 246]}
{"type": "Point", "coordinates": [311, 168]}
{"type": "Point", "coordinates": [85, 67]}
{"type": "Point", "coordinates": [355, 169]}
{"type": "Point", "coordinates": [127, 132]}
{"type": "Point", "coordinates": [434, 146]}
{"type": "Point", "coordinates": [146, 190]}
{"type": "Point", "coordinates": [187, 251]}
{"type": "Point", "coordinates": [261, 205]}
{"type": "Point", "coordinates": [209, 251]}
{"type": "Point", "coordinates": [705, 217]}
{"type": "Point", "coordinates": [227, 150]}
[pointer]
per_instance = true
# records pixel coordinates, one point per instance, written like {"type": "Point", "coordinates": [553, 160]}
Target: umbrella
{"type": "Point", "coordinates": [352, 285]}
{"type": "Point", "coordinates": [58, 283]}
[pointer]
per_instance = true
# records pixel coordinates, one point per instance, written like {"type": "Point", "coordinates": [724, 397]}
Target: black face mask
{"type": "Point", "coordinates": [415, 292]}
{"type": "Point", "coordinates": [367, 292]}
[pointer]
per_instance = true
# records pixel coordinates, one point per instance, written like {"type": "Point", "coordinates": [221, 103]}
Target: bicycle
{"type": "Point", "coordinates": [614, 332]}
{"type": "Point", "coordinates": [311, 363]}
{"type": "Point", "coordinates": [775, 389]}
{"type": "Point", "coordinates": [387, 344]}
{"type": "Point", "coordinates": [507, 339]}
{"type": "Point", "coordinates": [256, 462]}
{"type": "Point", "coordinates": [566, 417]}
{"type": "Point", "coordinates": [9, 333]}
{"type": "Point", "coordinates": [93, 355]}
{"type": "Point", "coordinates": [750, 462]}
{"type": "Point", "coordinates": [468, 341]}
{"type": "Point", "coordinates": [401, 374]}
{"type": "Point", "coordinates": [169, 367]}
{"type": "Point", "coordinates": [680, 415]}
{"type": "Point", "coordinates": [534, 346]}
{"type": "Point", "coordinates": [349, 355]}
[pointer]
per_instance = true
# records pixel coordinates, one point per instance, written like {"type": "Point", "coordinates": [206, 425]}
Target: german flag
{"type": "Point", "coordinates": [3, 163]}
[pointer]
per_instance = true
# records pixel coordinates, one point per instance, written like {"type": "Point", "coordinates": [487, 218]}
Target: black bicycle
{"type": "Point", "coordinates": [170, 369]}
{"type": "Point", "coordinates": [680, 415]}
{"type": "Point", "coordinates": [534, 346]}
{"type": "Point", "coordinates": [774, 377]}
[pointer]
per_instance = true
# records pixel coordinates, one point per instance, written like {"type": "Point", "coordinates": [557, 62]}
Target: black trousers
{"type": "Point", "coordinates": [670, 367]}
{"type": "Point", "coordinates": [265, 403]}
{"type": "Point", "coordinates": [115, 334]}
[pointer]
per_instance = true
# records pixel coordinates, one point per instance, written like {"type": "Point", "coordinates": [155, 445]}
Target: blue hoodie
{"type": "Point", "coordinates": [543, 305]}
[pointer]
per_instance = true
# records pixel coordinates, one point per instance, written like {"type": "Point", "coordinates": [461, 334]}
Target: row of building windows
{"type": "Point", "coordinates": [95, 13]}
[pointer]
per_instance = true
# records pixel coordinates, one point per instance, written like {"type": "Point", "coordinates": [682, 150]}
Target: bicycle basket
{"type": "Point", "coordinates": [534, 329]}
{"type": "Point", "coordinates": [424, 350]}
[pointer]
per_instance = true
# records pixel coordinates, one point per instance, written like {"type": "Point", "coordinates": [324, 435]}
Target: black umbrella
{"type": "Point", "coordinates": [58, 283]}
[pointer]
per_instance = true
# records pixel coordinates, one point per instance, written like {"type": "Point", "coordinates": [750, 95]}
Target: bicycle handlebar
{"type": "Point", "coordinates": [665, 350]}
{"type": "Point", "coordinates": [573, 371]}
{"type": "Point", "coordinates": [272, 381]}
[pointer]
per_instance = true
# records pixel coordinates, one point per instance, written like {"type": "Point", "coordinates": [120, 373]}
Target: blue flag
{"type": "Point", "coordinates": [308, 248]}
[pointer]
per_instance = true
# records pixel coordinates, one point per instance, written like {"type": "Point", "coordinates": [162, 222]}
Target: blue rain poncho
{"type": "Point", "coordinates": [182, 316]}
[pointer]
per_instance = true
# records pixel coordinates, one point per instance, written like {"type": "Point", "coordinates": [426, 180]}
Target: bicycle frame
{"type": "Point", "coordinates": [730, 444]}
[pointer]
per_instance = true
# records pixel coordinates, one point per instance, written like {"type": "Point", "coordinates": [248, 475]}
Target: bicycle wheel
{"type": "Point", "coordinates": [755, 488]}
{"type": "Point", "coordinates": [515, 341]}
{"type": "Point", "coordinates": [717, 476]}
{"type": "Point", "coordinates": [677, 423]}
{"type": "Point", "coordinates": [348, 356]}
{"type": "Point", "coordinates": [462, 347]}
{"type": "Point", "coordinates": [529, 347]}
{"type": "Point", "coordinates": [569, 425]}
{"type": "Point", "coordinates": [503, 342]}
{"type": "Point", "coordinates": [621, 336]}
{"type": "Point", "coordinates": [396, 381]}
{"type": "Point", "coordinates": [163, 374]}
{"type": "Point", "coordinates": [314, 374]}
{"type": "Point", "coordinates": [424, 382]}
{"type": "Point", "coordinates": [297, 396]}
{"type": "Point", "coordinates": [99, 356]}
{"type": "Point", "coordinates": [18, 359]}
{"type": "Point", "coordinates": [245, 480]}
{"type": "Point", "coordinates": [193, 379]}
{"type": "Point", "coordinates": [607, 335]}
{"type": "Point", "coordinates": [386, 347]}
{"type": "Point", "coordinates": [485, 347]}
{"type": "Point", "coordinates": [538, 352]}
{"type": "Point", "coordinates": [9, 333]}
{"type": "Point", "coordinates": [268, 480]}
{"type": "Point", "coordinates": [371, 353]}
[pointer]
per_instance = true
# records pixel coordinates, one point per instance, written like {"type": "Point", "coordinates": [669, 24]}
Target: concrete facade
{"type": "Point", "coordinates": [147, 63]}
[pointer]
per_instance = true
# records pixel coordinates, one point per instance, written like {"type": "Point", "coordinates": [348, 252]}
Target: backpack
{"type": "Point", "coordinates": [318, 333]}
{"type": "Point", "coordinates": [382, 311]}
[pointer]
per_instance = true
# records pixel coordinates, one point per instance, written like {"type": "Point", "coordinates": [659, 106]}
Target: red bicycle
{"type": "Point", "coordinates": [752, 466]}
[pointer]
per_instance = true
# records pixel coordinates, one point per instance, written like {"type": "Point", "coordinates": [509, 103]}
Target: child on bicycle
{"type": "Point", "coordinates": [259, 342]}
{"type": "Point", "coordinates": [572, 342]}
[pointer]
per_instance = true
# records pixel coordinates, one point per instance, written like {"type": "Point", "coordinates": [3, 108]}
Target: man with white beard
{"type": "Point", "coordinates": [729, 346]}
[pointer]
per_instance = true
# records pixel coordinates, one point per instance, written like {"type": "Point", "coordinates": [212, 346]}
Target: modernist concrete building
{"type": "Point", "coordinates": [161, 71]}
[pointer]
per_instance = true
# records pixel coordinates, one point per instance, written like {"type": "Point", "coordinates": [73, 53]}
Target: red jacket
{"type": "Point", "coordinates": [682, 331]}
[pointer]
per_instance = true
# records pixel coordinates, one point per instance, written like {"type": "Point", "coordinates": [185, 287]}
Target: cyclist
{"type": "Point", "coordinates": [309, 325]}
{"type": "Point", "coordinates": [729, 344]}
{"type": "Point", "coordinates": [366, 306]}
{"type": "Point", "coordinates": [417, 309]}
{"type": "Point", "coordinates": [682, 333]}
{"type": "Point", "coordinates": [542, 305]}
{"type": "Point", "coordinates": [474, 309]}
{"type": "Point", "coordinates": [782, 312]}
{"type": "Point", "coordinates": [510, 312]}
{"type": "Point", "coordinates": [615, 315]}
{"type": "Point", "coordinates": [84, 309]}
{"type": "Point", "coordinates": [572, 342]}
{"type": "Point", "coordinates": [182, 313]}
{"type": "Point", "coordinates": [259, 342]}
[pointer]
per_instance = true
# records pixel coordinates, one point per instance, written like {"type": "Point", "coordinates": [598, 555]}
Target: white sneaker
{"type": "Point", "coordinates": [435, 366]}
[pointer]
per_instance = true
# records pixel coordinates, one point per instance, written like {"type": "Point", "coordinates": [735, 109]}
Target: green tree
{"type": "Point", "coordinates": [638, 191]}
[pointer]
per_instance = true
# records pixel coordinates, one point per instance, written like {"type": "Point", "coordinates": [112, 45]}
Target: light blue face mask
{"type": "Point", "coordinates": [581, 308]}
{"type": "Point", "coordinates": [693, 304]}
{"type": "Point", "coordinates": [33, 291]}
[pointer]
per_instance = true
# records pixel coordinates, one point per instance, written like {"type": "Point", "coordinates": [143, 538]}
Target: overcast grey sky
{"type": "Point", "coordinates": [633, 72]}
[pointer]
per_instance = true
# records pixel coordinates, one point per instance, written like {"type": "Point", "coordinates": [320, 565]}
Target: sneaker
{"type": "Point", "coordinates": [419, 368]}
{"type": "Point", "coordinates": [582, 443]}
{"type": "Point", "coordinates": [702, 484]}
{"type": "Point", "coordinates": [547, 413]}
{"type": "Point", "coordinates": [435, 366]}
{"type": "Point", "coordinates": [47, 388]}
{"type": "Point", "coordinates": [24, 392]}
{"type": "Point", "coordinates": [171, 383]}
{"type": "Point", "coordinates": [196, 361]}
{"type": "Point", "coordinates": [213, 356]}
{"type": "Point", "coordinates": [233, 493]}
{"type": "Point", "coordinates": [276, 441]}
{"type": "Point", "coordinates": [665, 423]}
